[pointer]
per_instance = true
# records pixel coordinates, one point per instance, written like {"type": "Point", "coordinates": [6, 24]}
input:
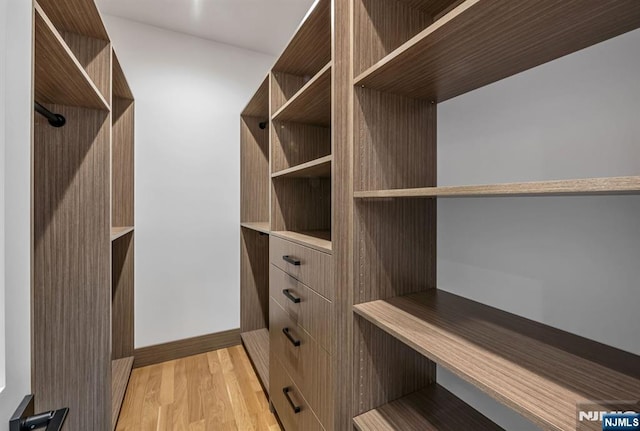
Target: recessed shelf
{"type": "Point", "coordinates": [430, 409]}
{"type": "Point", "coordinates": [120, 373]}
{"type": "Point", "coordinates": [317, 239]}
{"type": "Point", "coordinates": [258, 106]}
{"type": "Point", "coordinates": [75, 16]}
{"type": "Point", "coordinates": [311, 104]}
{"type": "Point", "coordinates": [118, 232]}
{"type": "Point", "coordinates": [316, 168]}
{"type": "Point", "coordinates": [587, 186]}
{"type": "Point", "coordinates": [260, 226]}
{"type": "Point", "coordinates": [120, 85]}
{"type": "Point", "coordinates": [539, 371]}
{"type": "Point", "coordinates": [256, 343]}
{"type": "Point", "coordinates": [59, 77]}
{"type": "Point", "coordinates": [483, 41]}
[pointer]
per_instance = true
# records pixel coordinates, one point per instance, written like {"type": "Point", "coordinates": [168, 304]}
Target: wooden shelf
{"type": "Point", "coordinates": [120, 373]}
{"type": "Point", "coordinates": [539, 371]}
{"type": "Point", "coordinates": [311, 104]}
{"type": "Point", "coordinates": [118, 232]}
{"type": "Point", "coordinates": [120, 85]}
{"type": "Point", "coordinates": [316, 168]}
{"type": "Point", "coordinates": [260, 226]}
{"type": "Point", "coordinates": [587, 186]}
{"type": "Point", "coordinates": [59, 77]}
{"type": "Point", "coordinates": [310, 47]}
{"type": "Point", "coordinates": [75, 16]}
{"type": "Point", "coordinates": [256, 343]}
{"type": "Point", "coordinates": [431, 409]}
{"type": "Point", "coordinates": [482, 41]}
{"type": "Point", "coordinates": [258, 106]}
{"type": "Point", "coordinates": [318, 239]}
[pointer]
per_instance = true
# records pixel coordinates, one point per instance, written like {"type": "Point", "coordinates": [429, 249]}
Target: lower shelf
{"type": "Point", "coordinates": [120, 372]}
{"type": "Point", "coordinates": [431, 409]}
{"type": "Point", "coordinates": [316, 239]}
{"type": "Point", "coordinates": [256, 343]}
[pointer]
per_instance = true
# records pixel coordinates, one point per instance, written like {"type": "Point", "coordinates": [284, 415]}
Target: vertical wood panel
{"type": "Point", "coordinates": [123, 165]}
{"type": "Point", "coordinates": [301, 204]}
{"type": "Point", "coordinates": [122, 280]}
{"type": "Point", "coordinates": [254, 170]}
{"type": "Point", "coordinates": [254, 280]}
{"type": "Point", "coordinates": [95, 56]}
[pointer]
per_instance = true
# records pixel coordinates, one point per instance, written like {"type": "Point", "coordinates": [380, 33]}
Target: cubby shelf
{"type": "Point", "coordinates": [256, 344]}
{"type": "Point", "coordinates": [311, 104]}
{"type": "Point", "coordinates": [483, 41]}
{"type": "Point", "coordinates": [316, 168]}
{"type": "Point", "coordinates": [537, 370]}
{"type": "Point", "coordinates": [76, 16]}
{"type": "Point", "coordinates": [120, 372]}
{"type": "Point", "coordinates": [59, 77]}
{"type": "Point", "coordinates": [317, 239]}
{"type": "Point", "coordinates": [118, 232]}
{"type": "Point", "coordinates": [431, 409]}
{"type": "Point", "coordinates": [587, 186]}
{"type": "Point", "coordinates": [120, 85]}
{"type": "Point", "coordinates": [260, 226]}
{"type": "Point", "coordinates": [258, 106]}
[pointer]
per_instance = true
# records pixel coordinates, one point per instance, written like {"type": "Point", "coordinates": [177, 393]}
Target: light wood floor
{"type": "Point", "coordinates": [210, 392]}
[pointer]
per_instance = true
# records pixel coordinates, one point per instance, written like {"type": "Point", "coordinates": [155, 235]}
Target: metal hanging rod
{"type": "Point", "coordinates": [56, 120]}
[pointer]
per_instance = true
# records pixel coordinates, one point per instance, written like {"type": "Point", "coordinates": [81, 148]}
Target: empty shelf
{"type": "Point", "coordinates": [120, 372]}
{"type": "Point", "coordinates": [75, 16]}
{"type": "Point", "coordinates": [431, 409]}
{"type": "Point", "coordinates": [258, 106]}
{"type": "Point", "coordinates": [256, 343]}
{"type": "Point", "coordinates": [316, 168]}
{"type": "Point", "coordinates": [120, 85]}
{"type": "Point", "coordinates": [318, 239]}
{"type": "Point", "coordinates": [260, 226]}
{"type": "Point", "coordinates": [117, 232]}
{"type": "Point", "coordinates": [588, 186]}
{"type": "Point", "coordinates": [539, 371]}
{"type": "Point", "coordinates": [483, 41]}
{"type": "Point", "coordinates": [311, 104]}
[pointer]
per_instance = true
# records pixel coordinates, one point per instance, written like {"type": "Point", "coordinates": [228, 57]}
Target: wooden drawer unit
{"type": "Point", "coordinates": [303, 359]}
{"type": "Point", "coordinates": [312, 267]}
{"type": "Point", "coordinates": [305, 307]}
{"type": "Point", "coordinates": [292, 408]}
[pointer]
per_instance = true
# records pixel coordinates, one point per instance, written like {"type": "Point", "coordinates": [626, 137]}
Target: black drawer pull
{"type": "Point", "coordinates": [291, 260]}
{"type": "Point", "coordinates": [292, 298]}
{"type": "Point", "coordinates": [286, 332]}
{"type": "Point", "coordinates": [296, 409]}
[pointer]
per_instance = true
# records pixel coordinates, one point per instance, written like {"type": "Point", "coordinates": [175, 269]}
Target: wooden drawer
{"type": "Point", "coordinates": [303, 359]}
{"type": "Point", "coordinates": [314, 268]}
{"type": "Point", "coordinates": [279, 382]}
{"type": "Point", "coordinates": [305, 307]}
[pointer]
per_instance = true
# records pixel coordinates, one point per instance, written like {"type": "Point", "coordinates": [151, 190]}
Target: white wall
{"type": "Point", "coordinates": [189, 93]}
{"type": "Point", "coordinates": [569, 262]}
{"type": "Point", "coordinates": [3, 24]}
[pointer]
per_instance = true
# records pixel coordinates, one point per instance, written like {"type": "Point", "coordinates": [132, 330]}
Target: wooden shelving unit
{"type": "Point", "coordinates": [119, 232]}
{"type": "Point", "coordinates": [257, 226]}
{"type": "Point", "coordinates": [430, 409]}
{"type": "Point", "coordinates": [319, 239]}
{"type": "Point", "coordinates": [120, 373]}
{"type": "Point", "coordinates": [319, 168]}
{"type": "Point", "coordinates": [256, 344]}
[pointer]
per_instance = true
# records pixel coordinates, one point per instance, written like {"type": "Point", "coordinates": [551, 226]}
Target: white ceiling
{"type": "Point", "coordinates": [260, 25]}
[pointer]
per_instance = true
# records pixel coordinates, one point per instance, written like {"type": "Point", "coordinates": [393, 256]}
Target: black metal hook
{"type": "Point", "coordinates": [262, 125]}
{"type": "Point", "coordinates": [55, 120]}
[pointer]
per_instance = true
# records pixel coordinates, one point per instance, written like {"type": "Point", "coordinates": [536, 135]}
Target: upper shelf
{"type": "Point", "coordinates": [120, 85]}
{"type": "Point", "coordinates": [588, 186]}
{"type": "Point", "coordinates": [75, 16]}
{"type": "Point", "coordinates": [539, 371]}
{"type": "Point", "coordinates": [259, 226]}
{"type": "Point", "coordinates": [483, 41]}
{"type": "Point", "coordinates": [312, 103]}
{"type": "Point", "coordinates": [318, 168]}
{"type": "Point", "coordinates": [310, 48]}
{"type": "Point", "coordinates": [258, 106]}
{"type": "Point", "coordinates": [59, 77]}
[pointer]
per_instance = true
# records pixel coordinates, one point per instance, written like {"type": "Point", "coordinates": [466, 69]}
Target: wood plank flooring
{"type": "Point", "coordinates": [213, 391]}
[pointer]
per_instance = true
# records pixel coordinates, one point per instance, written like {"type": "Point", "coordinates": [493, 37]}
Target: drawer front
{"type": "Point", "coordinates": [303, 359]}
{"type": "Point", "coordinates": [292, 408]}
{"type": "Point", "coordinates": [313, 268]}
{"type": "Point", "coordinates": [305, 307]}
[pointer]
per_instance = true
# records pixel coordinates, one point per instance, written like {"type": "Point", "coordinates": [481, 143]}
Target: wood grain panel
{"type": "Point", "coordinates": [584, 186]}
{"type": "Point", "coordinates": [256, 343]}
{"type": "Point", "coordinates": [284, 86]}
{"type": "Point", "coordinates": [312, 313]}
{"type": "Point", "coordinates": [396, 248]}
{"type": "Point", "coordinates": [254, 171]}
{"type": "Point", "coordinates": [316, 168]}
{"type": "Point", "coordinates": [120, 85]}
{"type": "Point", "coordinates": [123, 163]}
{"type": "Point", "coordinates": [120, 373]}
{"type": "Point", "coordinates": [301, 204]}
{"type": "Point", "coordinates": [381, 26]}
{"type": "Point", "coordinates": [95, 57]}
{"type": "Point", "coordinates": [254, 280]}
{"type": "Point", "coordinates": [310, 48]}
{"type": "Point", "coordinates": [317, 239]}
{"type": "Point", "coordinates": [308, 364]}
{"type": "Point", "coordinates": [434, 8]}
{"type": "Point", "coordinates": [119, 232]}
{"type": "Point", "coordinates": [430, 409]}
{"type": "Point", "coordinates": [75, 16]}
{"type": "Point", "coordinates": [396, 141]}
{"type": "Point", "coordinates": [122, 294]}
{"type": "Point", "coordinates": [262, 227]}
{"type": "Point", "coordinates": [520, 363]}
{"type": "Point", "coordinates": [315, 269]}
{"type": "Point", "coordinates": [188, 347]}
{"type": "Point", "coordinates": [71, 298]}
{"type": "Point", "coordinates": [59, 77]}
{"type": "Point", "coordinates": [483, 41]}
{"type": "Point", "coordinates": [258, 106]}
{"type": "Point", "coordinates": [293, 144]}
